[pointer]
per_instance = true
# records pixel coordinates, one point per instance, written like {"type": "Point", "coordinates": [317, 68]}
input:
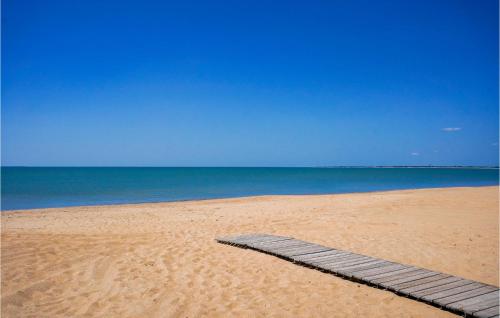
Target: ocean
{"type": "Point", "coordinates": [29, 187]}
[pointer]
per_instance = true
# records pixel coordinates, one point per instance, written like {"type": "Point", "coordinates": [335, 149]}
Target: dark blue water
{"type": "Point", "coordinates": [27, 188]}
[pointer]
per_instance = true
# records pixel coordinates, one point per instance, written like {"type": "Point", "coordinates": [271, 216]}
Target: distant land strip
{"type": "Point", "coordinates": [436, 167]}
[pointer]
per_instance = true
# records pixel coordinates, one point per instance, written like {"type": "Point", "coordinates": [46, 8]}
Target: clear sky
{"type": "Point", "coordinates": [249, 83]}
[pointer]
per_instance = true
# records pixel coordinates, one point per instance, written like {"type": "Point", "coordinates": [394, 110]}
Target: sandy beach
{"type": "Point", "coordinates": [161, 260]}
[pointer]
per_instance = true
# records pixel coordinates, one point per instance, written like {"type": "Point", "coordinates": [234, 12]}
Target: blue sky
{"type": "Point", "coordinates": [249, 83]}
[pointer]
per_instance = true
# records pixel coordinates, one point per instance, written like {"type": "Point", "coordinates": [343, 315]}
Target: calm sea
{"type": "Point", "coordinates": [27, 188]}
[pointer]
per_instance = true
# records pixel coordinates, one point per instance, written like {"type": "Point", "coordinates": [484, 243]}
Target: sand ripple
{"type": "Point", "coordinates": [160, 260]}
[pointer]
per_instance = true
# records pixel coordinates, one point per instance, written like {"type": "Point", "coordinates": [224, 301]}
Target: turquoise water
{"type": "Point", "coordinates": [28, 188]}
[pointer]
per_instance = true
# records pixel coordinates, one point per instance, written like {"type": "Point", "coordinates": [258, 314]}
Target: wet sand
{"type": "Point", "coordinates": [161, 260]}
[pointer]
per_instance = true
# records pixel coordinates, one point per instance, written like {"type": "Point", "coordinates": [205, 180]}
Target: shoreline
{"type": "Point", "coordinates": [235, 197]}
{"type": "Point", "coordinates": [162, 260]}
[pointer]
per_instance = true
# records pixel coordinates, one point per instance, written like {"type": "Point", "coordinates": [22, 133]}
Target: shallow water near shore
{"type": "Point", "coordinates": [43, 187]}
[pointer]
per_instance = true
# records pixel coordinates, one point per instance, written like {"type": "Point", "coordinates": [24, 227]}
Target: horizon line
{"type": "Point", "coordinates": [320, 166]}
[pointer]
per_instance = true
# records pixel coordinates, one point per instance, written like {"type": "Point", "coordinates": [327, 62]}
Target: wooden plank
{"type": "Point", "coordinates": [366, 261]}
{"type": "Point", "coordinates": [332, 258]}
{"type": "Point", "coordinates": [476, 303]}
{"type": "Point", "coordinates": [336, 266]}
{"type": "Point", "coordinates": [375, 278]}
{"type": "Point", "coordinates": [337, 258]}
{"type": "Point", "coordinates": [230, 240]}
{"type": "Point", "coordinates": [441, 288]}
{"type": "Point", "coordinates": [284, 250]}
{"type": "Point", "coordinates": [341, 260]}
{"type": "Point", "coordinates": [454, 291]}
{"type": "Point", "coordinates": [463, 296]}
{"type": "Point", "coordinates": [459, 295]}
{"type": "Point", "coordinates": [279, 244]}
{"type": "Point", "coordinates": [375, 264]}
{"type": "Point", "coordinates": [305, 251]}
{"type": "Point", "coordinates": [436, 283]}
{"type": "Point", "coordinates": [404, 275]}
{"type": "Point", "coordinates": [271, 241]}
{"type": "Point", "coordinates": [256, 239]}
{"type": "Point", "coordinates": [340, 268]}
{"type": "Point", "coordinates": [310, 251]}
{"type": "Point", "coordinates": [283, 247]}
{"type": "Point", "coordinates": [415, 282]}
{"type": "Point", "coordinates": [487, 313]}
{"type": "Point", "coordinates": [350, 261]}
{"type": "Point", "coordinates": [252, 237]}
{"type": "Point", "coordinates": [383, 270]}
{"type": "Point", "coordinates": [352, 270]}
{"type": "Point", "coordinates": [378, 277]}
{"type": "Point", "coordinates": [318, 255]}
{"type": "Point", "coordinates": [268, 241]}
{"type": "Point", "coordinates": [319, 258]}
{"type": "Point", "coordinates": [359, 273]}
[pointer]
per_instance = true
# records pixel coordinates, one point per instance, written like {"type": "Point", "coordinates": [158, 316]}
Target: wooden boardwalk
{"type": "Point", "coordinates": [465, 297]}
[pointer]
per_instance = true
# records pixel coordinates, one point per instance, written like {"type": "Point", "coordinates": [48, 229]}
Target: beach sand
{"type": "Point", "coordinates": [161, 260]}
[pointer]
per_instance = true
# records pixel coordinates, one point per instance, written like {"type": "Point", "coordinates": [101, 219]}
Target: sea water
{"type": "Point", "coordinates": [29, 187]}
